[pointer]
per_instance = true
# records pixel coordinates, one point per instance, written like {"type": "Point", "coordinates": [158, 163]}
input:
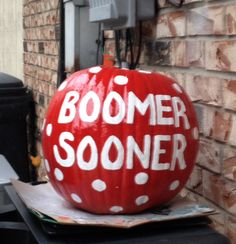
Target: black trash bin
{"type": "Point", "coordinates": [14, 107]}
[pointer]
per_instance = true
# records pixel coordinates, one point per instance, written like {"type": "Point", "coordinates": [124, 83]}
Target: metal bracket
{"type": "Point", "coordinates": [119, 14]}
{"type": "Point", "coordinates": [80, 36]}
{"type": "Point", "coordinates": [80, 3]}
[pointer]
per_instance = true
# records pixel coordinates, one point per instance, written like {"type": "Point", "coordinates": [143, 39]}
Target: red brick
{"type": "Point", "coordinates": [47, 101]}
{"type": "Point", "coordinates": [171, 24]}
{"type": "Point", "coordinates": [178, 55]}
{"type": "Point", "coordinates": [162, 3]}
{"type": "Point", "coordinates": [47, 75]}
{"type": "Point", "coordinates": [178, 77]}
{"type": "Point", "coordinates": [42, 19]}
{"type": "Point", "coordinates": [142, 57]}
{"type": "Point", "coordinates": [109, 34]}
{"type": "Point", "coordinates": [41, 74]}
{"type": "Point", "coordinates": [47, 33]}
{"type": "Point", "coordinates": [220, 55]}
{"type": "Point", "coordinates": [53, 77]}
{"type": "Point", "coordinates": [40, 111]}
{"type": "Point", "coordinates": [36, 97]}
{"type": "Point", "coordinates": [32, 58]}
{"type": "Point", "coordinates": [218, 221]}
{"type": "Point", "coordinates": [206, 21]}
{"type": "Point", "coordinates": [39, 147]}
{"type": "Point", "coordinates": [231, 227]}
{"type": "Point", "coordinates": [149, 29]}
{"type": "Point", "coordinates": [54, 4]}
{"type": "Point", "coordinates": [50, 18]}
{"type": "Point", "coordinates": [229, 196]}
{"type": "Point", "coordinates": [229, 94]}
{"type": "Point", "coordinates": [158, 52]}
{"type": "Point", "coordinates": [207, 120]}
{"type": "Point", "coordinates": [205, 89]}
{"type": "Point", "coordinates": [195, 53]}
{"type": "Point", "coordinates": [31, 82]}
{"type": "Point", "coordinates": [213, 187]}
{"type": "Point", "coordinates": [32, 47]}
{"type": "Point", "coordinates": [229, 163]}
{"type": "Point", "coordinates": [30, 34]}
{"type": "Point", "coordinates": [222, 126]}
{"type": "Point", "coordinates": [41, 171]}
{"type": "Point", "coordinates": [43, 87]}
{"type": "Point", "coordinates": [195, 180]}
{"type": "Point", "coordinates": [209, 155]}
{"type": "Point", "coordinates": [30, 70]}
{"type": "Point", "coordinates": [40, 123]}
{"type": "Point", "coordinates": [49, 62]}
{"type": "Point", "coordinates": [52, 90]}
{"type": "Point", "coordinates": [220, 191]}
{"type": "Point", "coordinates": [231, 19]}
{"type": "Point", "coordinates": [51, 47]}
{"type": "Point", "coordinates": [40, 33]}
{"type": "Point", "coordinates": [232, 132]}
{"type": "Point", "coordinates": [31, 8]}
{"type": "Point", "coordinates": [217, 124]}
{"type": "Point", "coordinates": [110, 47]}
{"type": "Point", "coordinates": [26, 10]}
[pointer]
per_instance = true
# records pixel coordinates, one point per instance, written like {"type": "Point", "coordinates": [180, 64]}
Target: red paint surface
{"type": "Point", "coordinates": [121, 189]}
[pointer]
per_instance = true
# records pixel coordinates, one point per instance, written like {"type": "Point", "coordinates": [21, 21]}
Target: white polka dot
{"type": "Point", "coordinates": [76, 198]}
{"type": "Point", "coordinates": [121, 80]}
{"type": "Point", "coordinates": [116, 209]}
{"type": "Point", "coordinates": [141, 200]}
{"type": "Point", "coordinates": [177, 88]}
{"type": "Point", "coordinates": [174, 185]}
{"type": "Point", "coordinates": [49, 129]}
{"type": "Point", "coordinates": [62, 86]}
{"type": "Point", "coordinates": [141, 178]}
{"type": "Point", "coordinates": [47, 166]}
{"type": "Point", "coordinates": [58, 174]}
{"type": "Point", "coordinates": [195, 133]}
{"type": "Point", "coordinates": [145, 71]}
{"type": "Point", "coordinates": [95, 70]}
{"type": "Point", "coordinates": [99, 185]}
{"type": "Point", "coordinates": [44, 121]}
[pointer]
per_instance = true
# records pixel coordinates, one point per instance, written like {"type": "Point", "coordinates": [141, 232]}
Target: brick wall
{"type": "Point", "coordinates": [41, 35]}
{"type": "Point", "coordinates": [196, 45]}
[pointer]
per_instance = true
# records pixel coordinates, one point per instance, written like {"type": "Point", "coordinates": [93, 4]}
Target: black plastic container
{"type": "Point", "coordinates": [14, 107]}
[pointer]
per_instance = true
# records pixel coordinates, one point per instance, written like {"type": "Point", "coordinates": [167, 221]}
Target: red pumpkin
{"type": "Point", "coordinates": [119, 141]}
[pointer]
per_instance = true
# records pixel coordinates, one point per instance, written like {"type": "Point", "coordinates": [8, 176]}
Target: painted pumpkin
{"type": "Point", "coordinates": [119, 141]}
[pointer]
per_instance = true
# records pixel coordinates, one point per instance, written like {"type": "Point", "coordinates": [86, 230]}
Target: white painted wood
{"type": "Point", "coordinates": [11, 37]}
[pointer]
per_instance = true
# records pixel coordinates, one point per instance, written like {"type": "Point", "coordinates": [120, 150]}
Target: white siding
{"type": "Point", "coordinates": [11, 37]}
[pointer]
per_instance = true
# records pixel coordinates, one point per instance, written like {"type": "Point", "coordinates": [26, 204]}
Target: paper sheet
{"type": "Point", "coordinates": [44, 200]}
